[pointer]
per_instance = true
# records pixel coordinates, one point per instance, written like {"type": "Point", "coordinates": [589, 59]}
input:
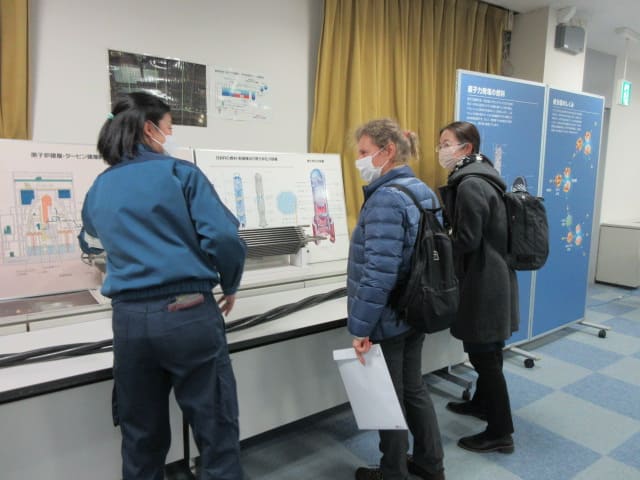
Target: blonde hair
{"type": "Point", "coordinates": [383, 131]}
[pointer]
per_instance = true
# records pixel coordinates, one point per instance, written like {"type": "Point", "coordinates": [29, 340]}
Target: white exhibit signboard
{"type": "Point", "coordinates": [267, 190]}
{"type": "Point", "coordinates": [43, 187]}
{"type": "Point", "coordinates": [42, 190]}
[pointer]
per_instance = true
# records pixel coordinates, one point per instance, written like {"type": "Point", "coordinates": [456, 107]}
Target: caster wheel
{"type": "Point", "coordinates": [466, 395]}
{"type": "Point", "coordinates": [602, 333]}
{"type": "Point", "coordinates": [529, 363]}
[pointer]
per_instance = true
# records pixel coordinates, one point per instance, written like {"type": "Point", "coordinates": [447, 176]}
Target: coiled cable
{"type": "Point", "coordinates": [56, 352]}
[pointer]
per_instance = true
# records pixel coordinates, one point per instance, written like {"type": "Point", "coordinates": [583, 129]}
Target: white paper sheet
{"type": "Point", "coordinates": [373, 399]}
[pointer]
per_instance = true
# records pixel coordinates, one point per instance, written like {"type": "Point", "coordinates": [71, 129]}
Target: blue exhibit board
{"type": "Point", "coordinates": [509, 116]}
{"type": "Point", "coordinates": [572, 147]}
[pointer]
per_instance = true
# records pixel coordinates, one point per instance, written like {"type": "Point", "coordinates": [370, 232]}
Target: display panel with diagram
{"type": "Point", "coordinates": [572, 147]}
{"type": "Point", "coordinates": [43, 187]}
{"type": "Point", "coordinates": [270, 192]}
{"type": "Point", "coordinates": [509, 115]}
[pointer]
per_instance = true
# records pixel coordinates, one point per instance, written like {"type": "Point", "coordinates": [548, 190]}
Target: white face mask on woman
{"type": "Point", "coordinates": [369, 172]}
{"type": "Point", "coordinates": [447, 156]}
{"type": "Point", "coordinates": [169, 146]}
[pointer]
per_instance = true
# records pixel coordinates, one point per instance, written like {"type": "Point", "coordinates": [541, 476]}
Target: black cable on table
{"type": "Point", "coordinates": [56, 352]}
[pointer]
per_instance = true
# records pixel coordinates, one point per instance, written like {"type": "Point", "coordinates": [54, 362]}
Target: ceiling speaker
{"type": "Point", "coordinates": [570, 39]}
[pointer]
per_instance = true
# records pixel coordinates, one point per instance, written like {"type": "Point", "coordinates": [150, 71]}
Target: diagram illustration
{"type": "Point", "coordinates": [241, 95]}
{"type": "Point", "coordinates": [497, 157]}
{"type": "Point", "coordinates": [238, 193]}
{"type": "Point", "coordinates": [262, 216]}
{"type": "Point", "coordinates": [517, 181]}
{"type": "Point", "coordinates": [571, 162]}
{"type": "Point", "coordinates": [44, 220]}
{"type": "Point", "coordinates": [563, 181]}
{"type": "Point", "coordinates": [322, 223]}
{"type": "Point", "coordinates": [287, 203]}
{"type": "Point", "coordinates": [574, 236]}
{"type": "Point", "coordinates": [584, 149]}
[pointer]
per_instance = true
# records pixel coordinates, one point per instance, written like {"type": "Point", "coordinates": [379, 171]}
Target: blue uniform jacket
{"type": "Point", "coordinates": [163, 227]}
{"type": "Point", "coordinates": [380, 251]}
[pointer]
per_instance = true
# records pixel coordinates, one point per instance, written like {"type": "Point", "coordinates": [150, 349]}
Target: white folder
{"type": "Point", "coordinates": [373, 399]}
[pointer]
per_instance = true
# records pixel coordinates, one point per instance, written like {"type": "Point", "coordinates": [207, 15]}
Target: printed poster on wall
{"type": "Point", "coordinates": [240, 95]}
{"type": "Point", "coordinates": [182, 85]}
{"type": "Point", "coordinates": [509, 116]}
{"type": "Point", "coordinates": [574, 126]}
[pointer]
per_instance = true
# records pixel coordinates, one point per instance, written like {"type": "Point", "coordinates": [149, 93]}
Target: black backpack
{"type": "Point", "coordinates": [427, 298]}
{"type": "Point", "coordinates": [528, 244]}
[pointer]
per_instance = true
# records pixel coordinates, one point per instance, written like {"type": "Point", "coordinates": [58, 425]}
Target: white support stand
{"type": "Point", "coordinates": [445, 374]}
{"type": "Point", "coordinates": [602, 329]}
{"type": "Point", "coordinates": [530, 358]}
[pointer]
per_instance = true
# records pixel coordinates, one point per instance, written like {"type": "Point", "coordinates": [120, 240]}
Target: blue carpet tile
{"type": "Point", "coordinates": [586, 356]}
{"type": "Point", "coordinates": [628, 452]}
{"type": "Point", "coordinates": [550, 444]}
{"type": "Point", "coordinates": [522, 391]}
{"type": "Point", "coordinates": [542, 454]}
{"type": "Point", "coordinates": [613, 308]}
{"type": "Point", "coordinates": [609, 393]}
{"type": "Point", "coordinates": [624, 326]}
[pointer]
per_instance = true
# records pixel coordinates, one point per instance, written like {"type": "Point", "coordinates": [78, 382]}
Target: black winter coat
{"type": "Point", "coordinates": [489, 310]}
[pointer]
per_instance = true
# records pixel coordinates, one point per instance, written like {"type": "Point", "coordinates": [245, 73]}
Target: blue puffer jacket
{"type": "Point", "coordinates": [380, 251]}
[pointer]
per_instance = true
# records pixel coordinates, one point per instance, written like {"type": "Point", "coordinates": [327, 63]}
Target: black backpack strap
{"type": "Point", "coordinates": [409, 193]}
{"type": "Point", "coordinates": [488, 180]}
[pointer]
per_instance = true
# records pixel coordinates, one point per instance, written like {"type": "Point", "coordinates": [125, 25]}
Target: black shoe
{"type": "Point", "coordinates": [417, 470]}
{"type": "Point", "coordinates": [364, 473]}
{"type": "Point", "coordinates": [467, 408]}
{"type": "Point", "coordinates": [483, 443]}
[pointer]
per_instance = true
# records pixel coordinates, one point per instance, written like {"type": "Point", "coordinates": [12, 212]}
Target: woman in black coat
{"type": "Point", "coordinates": [488, 312]}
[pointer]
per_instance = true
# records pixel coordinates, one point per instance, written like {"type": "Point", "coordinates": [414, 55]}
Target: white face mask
{"type": "Point", "coordinates": [447, 156]}
{"type": "Point", "coordinates": [169, 146]}
{"type": "Point", "coordinates": [368, 172]}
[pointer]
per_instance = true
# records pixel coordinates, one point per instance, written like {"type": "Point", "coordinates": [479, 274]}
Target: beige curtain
{"type": "Point", "coordinates": [14, 61]}
{"type": "Point", "coordinates": [398, 59]}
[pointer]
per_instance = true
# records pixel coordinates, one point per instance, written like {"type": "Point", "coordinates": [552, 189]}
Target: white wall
{"type": "Point", "coordinates": [528, 44]}
{"type": "Point", "coordinates": [599, 72]}
{"type": "Point", "coordinates": [534, 56]}
{"type": "Point", "coordinates": [562, 70]}
{"type": "Point", "coordinates": [277, 39]}
{"type": "Point", "coordinates": [621, 195]}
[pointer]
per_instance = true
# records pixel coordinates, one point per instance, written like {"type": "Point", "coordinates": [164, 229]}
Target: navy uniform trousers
{"type": "Point", "coordinates": [156, 350]}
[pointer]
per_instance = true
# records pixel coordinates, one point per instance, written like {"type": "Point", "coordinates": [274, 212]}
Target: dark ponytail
{"type": "Point", "coordinates": [124, 129]}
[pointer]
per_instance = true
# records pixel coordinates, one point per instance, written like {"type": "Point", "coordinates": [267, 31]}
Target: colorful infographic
{"type": "Point", "coordinates": [268, 190]}
{"type": "Point", "coordinates": [574, 124]}
{"type": "Point", "coordinates": [509, 116]}
{"type": "Point", "coordinates": [41, 194]}
{"type": "Point", "coordinates": [43, 187]}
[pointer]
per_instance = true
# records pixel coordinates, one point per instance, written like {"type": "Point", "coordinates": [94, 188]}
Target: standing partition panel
{"type": "Point", "coordinates": [509, 115]}
{"type": "Point", "coordinates": [572, 146]}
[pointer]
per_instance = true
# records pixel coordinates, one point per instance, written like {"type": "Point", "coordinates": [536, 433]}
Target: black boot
{"type": "Point", "coordinates": [483, 442]}
{"type": "Point", "coordinates": [364, 473]}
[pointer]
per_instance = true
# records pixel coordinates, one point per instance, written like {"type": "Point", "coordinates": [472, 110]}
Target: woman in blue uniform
{"type": "Point", "coordinates": [169, 241]}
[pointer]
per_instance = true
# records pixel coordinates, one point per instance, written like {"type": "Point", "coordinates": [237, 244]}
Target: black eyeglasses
{"type": "Point", "coordinates": [441, 147]}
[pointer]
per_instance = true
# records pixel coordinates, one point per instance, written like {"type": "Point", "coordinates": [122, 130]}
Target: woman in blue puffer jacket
{"type": "Point", "coordinates": [381, 247]}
